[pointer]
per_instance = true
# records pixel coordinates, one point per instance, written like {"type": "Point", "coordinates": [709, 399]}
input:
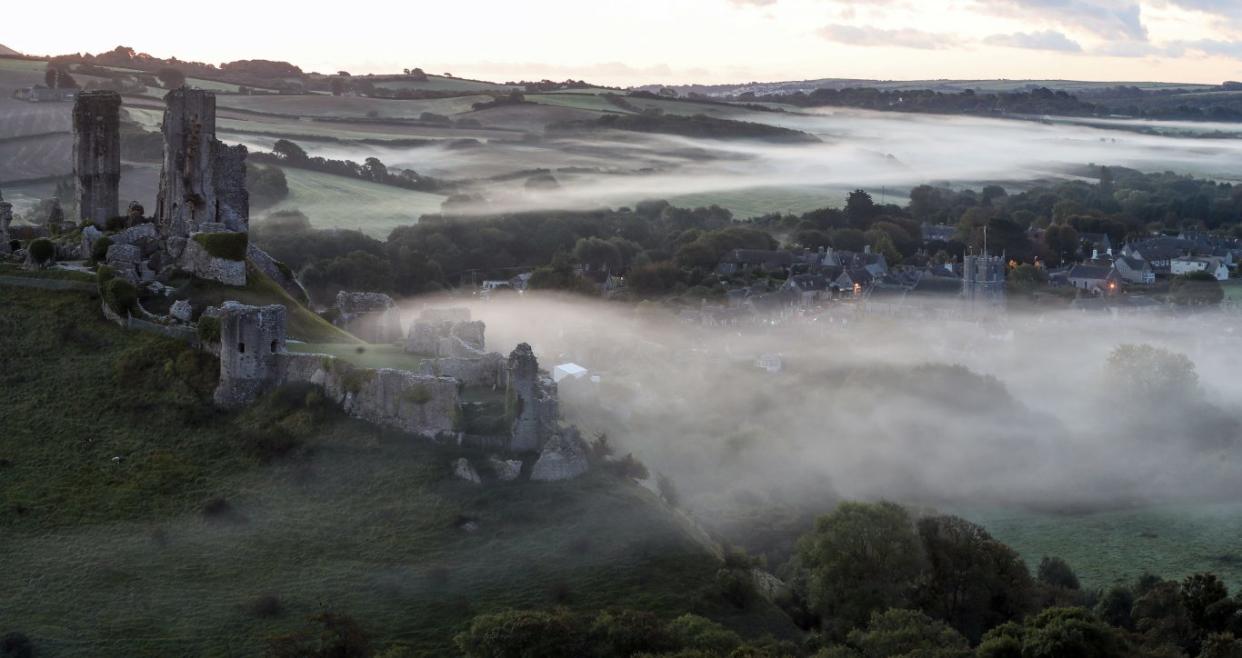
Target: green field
{"type": "Point", "coordinates": [1172, 541]}
{"type": "Point", "coordinates": [321, 105]}
{"type": "Point", "coordinates": [112, 454]}
{"type": "Point", "coordinates": [757, 201]}
{"type": "Point", "coordinates": [595, 102]}
{"type": "Point", "coordinates": [338, 202]}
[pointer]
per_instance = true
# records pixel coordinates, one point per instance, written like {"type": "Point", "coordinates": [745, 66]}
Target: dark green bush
{"type": "Point", "coordinates": [229, 246]}
{"type": "Point", "coordinates": [99, 250]}
{"type": "Point", "coordinates": [209, 329]}
{"type": "Point", "coordinates": [116, 223]}
{"type": "Point", "coordinates": [103, 275]}
{"type": "Point", "coordinates": [120, 295]}
{"type": "Point", "coordinates": [41, 250]}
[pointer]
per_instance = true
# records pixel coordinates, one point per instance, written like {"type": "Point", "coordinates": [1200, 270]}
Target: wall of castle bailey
{"type": "Point", "coordinates": [487, 370]}
{"type": "Point", "coordinates": [530, 401]}
{"type": "Point", "coordinates": [424, 405]}
{"type": "Point", "coordinates": [252, 340]}
{"type": "Point", "coordinates": [371, 316]}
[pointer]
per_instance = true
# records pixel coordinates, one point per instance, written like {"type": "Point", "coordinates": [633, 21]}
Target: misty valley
{"type": "Point", "coordinates": [391, 363]}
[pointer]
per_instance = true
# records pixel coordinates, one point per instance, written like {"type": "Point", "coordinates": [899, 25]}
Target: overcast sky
{"type": "Point", "coordinates": [671, 41]}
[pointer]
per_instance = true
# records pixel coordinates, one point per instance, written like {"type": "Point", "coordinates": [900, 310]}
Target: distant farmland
{"type": "Point", "coordinates": [339, 202]}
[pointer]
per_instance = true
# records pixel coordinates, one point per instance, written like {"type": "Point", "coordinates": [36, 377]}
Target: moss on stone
{"type": "Point", "coordinates": [229, 246]}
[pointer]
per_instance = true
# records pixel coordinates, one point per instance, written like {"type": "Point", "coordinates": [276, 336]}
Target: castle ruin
{"type": "Point", "coordinates": [252, 339]}
{"type": "Point", "coordinates": [6, 218]}
{"type": "Point", "coordinates": [203, 181]}
{"type": "Point", "coordinates": [97, 155]}
{"type": "Point", "coordinates": [530, 401]}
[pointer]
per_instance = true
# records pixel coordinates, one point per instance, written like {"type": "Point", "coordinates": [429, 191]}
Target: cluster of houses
{"type": "Point", "coordinates": [1142, 262]}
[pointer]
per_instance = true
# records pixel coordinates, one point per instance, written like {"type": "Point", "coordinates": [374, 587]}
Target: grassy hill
{"type": "Point", "coordinates": [139, 521]}
{"type": "Point", "coordinates": [5, 50]}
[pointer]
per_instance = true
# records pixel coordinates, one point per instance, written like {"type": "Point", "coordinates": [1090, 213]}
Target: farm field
{"type": "Point", "coordinates": [441, 83]}
{"type": "Point", "coordinates": [36, 157]}
{"type": "Point", "coordinates": [1172, 541]}
{"type": "Point", "coordinates": [321, 105]}
{"type": "Point", "coordinates": [595, 102]}
{"type": "Point", "coordinates": [754, 202]}
{"type": "Point", "coordinates": [339, 202]}
{"type": "Point", "coordinates": [20, 118]}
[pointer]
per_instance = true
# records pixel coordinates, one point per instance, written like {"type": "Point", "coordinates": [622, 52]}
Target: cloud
{"type": "Point", "coordinates": [1110, 19]}
{"type": "Point", "coordinates": [1045, 40]}
{"type": "Point", "coordinates": [1226, 8]}
{"type": "Point", "coordinates": [901, 38]}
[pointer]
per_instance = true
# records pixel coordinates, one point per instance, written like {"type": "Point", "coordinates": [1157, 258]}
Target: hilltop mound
{"type": "Point", "coordinates": [121, 482]}
{"type": "Point", "coordinates": [5, 50]}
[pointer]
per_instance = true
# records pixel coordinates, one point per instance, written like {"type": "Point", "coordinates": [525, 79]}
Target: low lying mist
{"type": "Point", "coordinates": [859, 149]}
{"type": "Point", "coordinates": [1018, 410]}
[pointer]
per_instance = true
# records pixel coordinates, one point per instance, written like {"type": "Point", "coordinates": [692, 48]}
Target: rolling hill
{"type": "Point", "coordinates": [7, 51]}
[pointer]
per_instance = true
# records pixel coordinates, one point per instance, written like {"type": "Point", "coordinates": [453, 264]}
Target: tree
{"type": "Point", "coordinates": [1064, 632]}
{"type": "Point", "coordinates": [1025, 279]}
{"type": "Point", "coordinates": [374, 170]}
{"type": "Point", "coordinates": [171, 78]}
{"type": "Point", "coordinates": [289, 151]}
{"type": "Point", "coordinates": [1152, 373]}
{"type": "Point", "coordinates": [1201, 595]}
{"type": "Point", "coordinates": [849, 239]}
{"type": "Point", "coordinates": [267, 185]}
{"type": "Point", "coordinates": [900, 633]}
{"type": "Point", "coordinates": [596, 254]}
{"type": "Point", "coordinates": [861, 558]}
{"type": "Point", "coordinates": [973, 581]}
{"type": "Point", "coordinates": [653, 278]}
{"type": "Point", "coordinates": [1062, 241]}
{"type": "Point", "coordinates": [859, 208]}
{"type": "Point", "coordinates": [1196, 289]}
{"type": "Point", "coordinates": [1056, 572]}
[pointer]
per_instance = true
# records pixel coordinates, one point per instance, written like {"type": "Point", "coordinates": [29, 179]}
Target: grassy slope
{"type": "Point", "coordinates": [339, 202]}
{"type": "Point", "coordinates": [302, 323]}
{"type": "Point", "coordinates": [368, 356]}
{"type": "Point", "coordinates": [114, 559]}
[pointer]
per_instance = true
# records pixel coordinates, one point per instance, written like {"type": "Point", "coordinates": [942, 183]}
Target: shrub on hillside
{"type": "Point", "coordinates": [209, 329]}
{"type": "Point", "coordinates": [41, 251]}
{"type": "Point", "coordinates": [120, 295]}
{"type": "Point", "coordinates": [99, 250]}
{"type": "Point", "coordinates": [229, 246]}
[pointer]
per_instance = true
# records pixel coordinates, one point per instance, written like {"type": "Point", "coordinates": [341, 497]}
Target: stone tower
{"type": "Point", "coordinates": [202, 180]}
{"type": "Point", "coordinates": [97, 154]}
{"type": "Point", "coordinates": [252, 338]}
{"type": "Point", "coordinates": [983, 279]}
{"type": "Point", "coordinates": [530, 402]}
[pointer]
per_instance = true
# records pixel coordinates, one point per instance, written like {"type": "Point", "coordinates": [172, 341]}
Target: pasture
{"type": "Point", "coordinates": [339, 202]}
{"type": "Point", "coordinates": [1105, 547]}
{"type": "Point", "coordinates": [358, 107]}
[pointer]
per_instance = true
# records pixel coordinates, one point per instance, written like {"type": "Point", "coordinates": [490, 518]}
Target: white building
{"type": "Point", "coordinates": [1213, 265]}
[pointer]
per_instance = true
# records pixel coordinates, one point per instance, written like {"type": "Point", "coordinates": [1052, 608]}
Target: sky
{"type": "Point", "coordinates": [674, 41]}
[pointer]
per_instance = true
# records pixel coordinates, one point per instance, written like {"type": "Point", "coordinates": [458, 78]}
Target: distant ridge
{"type": "Point", "coordinates": [5, 50]}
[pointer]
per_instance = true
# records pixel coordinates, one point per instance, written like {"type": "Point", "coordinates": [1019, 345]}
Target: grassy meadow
{"type": "Point", "coordinates": [1105, 547]}
{"type": "Point", "coordinates": [338, 202]}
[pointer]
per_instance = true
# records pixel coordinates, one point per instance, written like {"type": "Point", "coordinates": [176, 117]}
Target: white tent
{"type": "Point", "coordinates": [568, 370]}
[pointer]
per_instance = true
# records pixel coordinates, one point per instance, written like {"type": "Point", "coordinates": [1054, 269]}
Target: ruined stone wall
{"type": "Point", "coordinates": [97, 154]}
{"type": "Point", "coordinates": [530, 401]}
{"type": "Point", "coordinates": [232, 200]}
{"type": "Point", "coordinates": [424, 405]}
{"type": "Point", "coordinates": [371, 316]}
{"type": "Point", "coordinates": [486, 371]}
{"type": "Point", "coordinates": [252, 340]}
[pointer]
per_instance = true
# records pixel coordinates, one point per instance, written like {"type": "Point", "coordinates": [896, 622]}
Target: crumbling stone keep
{"type": "Point", "coordinates": [97, 154]}
{"type": "Point", "coordinates": [530, 402]}
{"type": "Point", "coordinates": [252, 340]}
{"type": "Point", "coordinates": [371, 316]}
{"type": "Point", "coordinates": [202, 180]}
